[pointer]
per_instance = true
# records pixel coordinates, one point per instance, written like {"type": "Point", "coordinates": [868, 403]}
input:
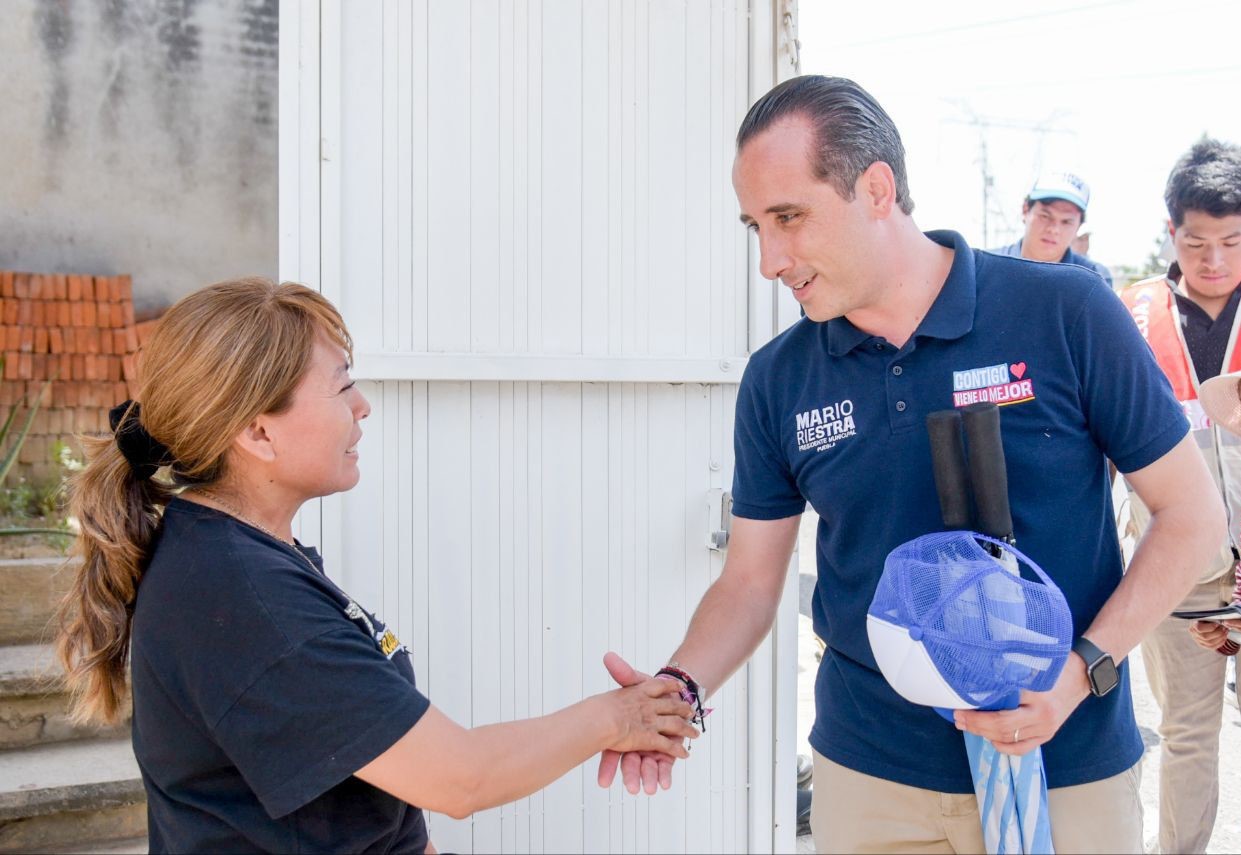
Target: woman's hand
{"type": "Point", "coordinates": [640, 770]}
{"type": "Point", "coordinates": [650, 716]}
{"type": "Point", "coordinates": [1211, 634]}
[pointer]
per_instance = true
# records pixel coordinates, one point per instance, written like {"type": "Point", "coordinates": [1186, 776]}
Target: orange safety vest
{"type": "Point", "coordinates": [1152, 303]}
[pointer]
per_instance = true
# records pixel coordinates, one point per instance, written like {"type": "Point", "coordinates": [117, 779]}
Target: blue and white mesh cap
{"type": "Point", "coordinates": [1061, 185]}
{"type": "Point", "coordinates": [953, 627]}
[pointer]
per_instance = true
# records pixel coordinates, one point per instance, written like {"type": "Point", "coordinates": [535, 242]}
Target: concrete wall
{"type": "Point", "coordinates": [139, 136]}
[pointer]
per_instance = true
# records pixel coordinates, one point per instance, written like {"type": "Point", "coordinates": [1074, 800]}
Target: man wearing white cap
{"type": "Point", "coordinates": [901, 323]}
{"type": "Point", "coordinates": [1189, 318]}
{"type": "Point", "coordinates": [1053, 213]}
{"type": "Point", "coordinates": [1081, 243]}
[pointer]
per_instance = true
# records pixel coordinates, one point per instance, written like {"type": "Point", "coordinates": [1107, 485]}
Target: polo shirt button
{"type": "Point", "coordinates": [900, 406]}
{"type": "Point", "coordinates": [896, 370]}
{"type": "Point", "coordinates": [878, 345]}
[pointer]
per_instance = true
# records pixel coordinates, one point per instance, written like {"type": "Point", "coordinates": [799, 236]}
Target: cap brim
{"type": "Point", "coordinates": [908, 668]}
{"type": "Point", "coordinates": [1061, 195]}
{"type": "Point", "coordinates": [1221, 399]}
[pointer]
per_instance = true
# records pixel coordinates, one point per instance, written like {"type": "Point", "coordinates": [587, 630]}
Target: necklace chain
{"type": "Point", "coordinates": [235, 512]}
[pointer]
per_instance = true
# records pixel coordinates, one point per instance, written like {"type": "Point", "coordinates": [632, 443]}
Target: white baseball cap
{"type": "Point", "coordinates": [1061, 185]}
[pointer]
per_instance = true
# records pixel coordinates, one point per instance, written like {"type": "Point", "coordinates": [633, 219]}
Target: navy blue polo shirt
{"type": "Point", "coordinates": [1069, 257]}
{"type": "Point", "coordinates": [830, 415]}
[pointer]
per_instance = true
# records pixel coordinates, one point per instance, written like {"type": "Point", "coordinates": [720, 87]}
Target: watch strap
{"type": "Point", "coordinates": [1094, 658]}
{"type": "Point", "coordinates": [1088, 650]}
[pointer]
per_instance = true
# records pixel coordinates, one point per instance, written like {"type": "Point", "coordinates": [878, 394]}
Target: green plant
{"type": "Point", "coordinates": [10, 456]}
{"type": "Point", "coordinates": [24, 500]}
{"type": "Point", "coordinates": [64, 455]}
{"type": "Point", "coordinates": [25, 530]}
{"type": "Point", "coordinates": [34, 508]}
{"type": "Point", "coordinates": [45, 499]}
{"type": "Point", "coordinates": [37, 503]}
{"type": "Point", "coordinates": [15, 499]}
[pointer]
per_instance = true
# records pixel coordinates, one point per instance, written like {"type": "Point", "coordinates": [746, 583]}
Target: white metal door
{"type": "Point", "coordinates": [524, 211]}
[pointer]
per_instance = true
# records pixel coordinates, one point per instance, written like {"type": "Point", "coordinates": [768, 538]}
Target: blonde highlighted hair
{"type": "Point", "coordinates": [217, 359]}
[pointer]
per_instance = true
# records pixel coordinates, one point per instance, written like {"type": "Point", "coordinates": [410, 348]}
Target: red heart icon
{"type": "Point", "coordinates": [1018, 369]}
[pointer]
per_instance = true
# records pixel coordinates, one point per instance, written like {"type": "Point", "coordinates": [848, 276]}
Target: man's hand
{"type": "Point", "coordinates": [1038, 716]}
{"type": "Point", "coordinates": [735, 614]}
{"type": "Point", "coordinates": [639, 770]}
{"type": "Point", "coordinates": [1211, 634]}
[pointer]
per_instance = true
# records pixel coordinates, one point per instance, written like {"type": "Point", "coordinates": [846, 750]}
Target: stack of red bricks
{"type": "Point", "coordinates": [78, 332]}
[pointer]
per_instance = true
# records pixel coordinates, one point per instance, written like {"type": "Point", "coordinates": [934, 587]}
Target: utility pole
{"type": "Point", "coordinates": [984, 125]}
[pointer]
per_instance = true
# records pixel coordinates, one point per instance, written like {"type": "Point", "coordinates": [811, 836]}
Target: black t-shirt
{"type": "Point", "coordinates": [259, 689]}
{"type": "Point", "coordinates": [1207, 340]}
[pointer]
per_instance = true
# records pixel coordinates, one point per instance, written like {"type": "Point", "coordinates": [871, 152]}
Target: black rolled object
{"type": "Point", "coordinates": [948, 465]}
{"type": "Point", "coordinates": [988, 473]}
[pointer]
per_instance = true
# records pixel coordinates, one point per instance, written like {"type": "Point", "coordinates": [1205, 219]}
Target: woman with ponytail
{"type": "Point", "coordinates": [271, 712]}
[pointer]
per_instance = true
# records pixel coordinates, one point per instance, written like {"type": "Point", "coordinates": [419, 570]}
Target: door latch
{"type": "Point", "coordinates": [719, 518]}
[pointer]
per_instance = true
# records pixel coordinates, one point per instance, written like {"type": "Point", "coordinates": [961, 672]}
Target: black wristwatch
{"type": "Point", "coordinates": [1100, 667]}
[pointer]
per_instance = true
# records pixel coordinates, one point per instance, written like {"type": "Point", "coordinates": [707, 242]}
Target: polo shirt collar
{"type": "Point", "coordinates": [951, 315]}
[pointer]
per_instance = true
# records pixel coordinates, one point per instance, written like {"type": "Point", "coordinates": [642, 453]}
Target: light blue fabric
{"type": "Point", "coordinates": [1011, 791]}
{"type": "Point", "coordinates": [1012, 799]}
{"type": "Point", "coordinates": [989, 634]}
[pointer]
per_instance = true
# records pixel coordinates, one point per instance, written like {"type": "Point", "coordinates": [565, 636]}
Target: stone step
{"type": "Point", "coordinates": [128, 846]}
{"type": "Point", "coordinates": [56, 796]}
{"type": "Point", "coordinates": [32, 589]}
{"type": "Point", "coordinates": [34, 706]}
{"type": "Point", "coordinates": [29, 669]}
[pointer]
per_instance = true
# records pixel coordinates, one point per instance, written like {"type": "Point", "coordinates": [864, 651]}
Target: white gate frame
{"type": "Point", "coordinates": [774, 57]}
{"type": "Point", "coordinates": [309, 175]}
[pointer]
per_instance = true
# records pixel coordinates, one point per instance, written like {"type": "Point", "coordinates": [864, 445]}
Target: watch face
{"type": "Point", "coordinates": [1103, 676]}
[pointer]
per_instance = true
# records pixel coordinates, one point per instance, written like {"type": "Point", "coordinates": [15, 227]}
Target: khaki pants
{"type": "Point", "coordinates": [853, 812]}
{"type": "Point", "coordinates": [1188, 684]}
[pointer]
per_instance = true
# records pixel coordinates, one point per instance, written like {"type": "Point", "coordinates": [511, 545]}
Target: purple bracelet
{"type": "Point", "coordinates": [689, 692]}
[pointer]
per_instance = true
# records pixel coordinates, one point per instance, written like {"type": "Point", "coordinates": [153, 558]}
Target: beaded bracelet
{"type": "Point", "coordinates": [690, 692]}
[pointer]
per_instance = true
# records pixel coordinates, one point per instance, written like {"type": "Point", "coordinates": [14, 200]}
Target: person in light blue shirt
{"type": "Point", "coordinates": [1053, 214]}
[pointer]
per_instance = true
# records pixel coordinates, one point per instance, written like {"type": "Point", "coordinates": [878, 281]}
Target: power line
{"type": "Point", "coordinates": [1108, 78]}
{"type": "Point", "coordinates": [984, 124]}
{"type": "Point", "coordinates": [1008, 124]}
{"type": "Point", "coordinates": [995, 22]}
{"type": "Point", "coordinates": [965, 86]}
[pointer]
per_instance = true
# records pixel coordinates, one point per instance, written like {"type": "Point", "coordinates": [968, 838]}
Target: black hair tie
{"type": "Point", "coordinates": [145, 453]}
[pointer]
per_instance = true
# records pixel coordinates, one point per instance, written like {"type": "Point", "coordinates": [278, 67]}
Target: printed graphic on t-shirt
{"type": "Point", "coordinates": [388, 643]}
{"type": "Point", "coordinates": [822, 428]}
{"type": "Point", "coordinates": [995, 384]}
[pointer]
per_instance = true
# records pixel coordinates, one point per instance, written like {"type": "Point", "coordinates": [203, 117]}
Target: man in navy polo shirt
{"type": "Point", "coordinates": [1053, 214]}
{"type": "Point", "coordinates": [899, 324]}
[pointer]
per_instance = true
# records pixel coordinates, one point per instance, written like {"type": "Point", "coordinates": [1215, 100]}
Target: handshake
{"type": "Point", "coordinates": [655, 716]}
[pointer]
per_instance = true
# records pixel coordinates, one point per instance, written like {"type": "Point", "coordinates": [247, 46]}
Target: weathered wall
{"type": "Point", "coordinates": [139, 136]}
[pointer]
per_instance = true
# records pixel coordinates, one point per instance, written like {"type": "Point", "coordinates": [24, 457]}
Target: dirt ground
{"type": "Point", "coordinates": [1227, 834]}
{"type": "Point", "coordinates": [32, 545]}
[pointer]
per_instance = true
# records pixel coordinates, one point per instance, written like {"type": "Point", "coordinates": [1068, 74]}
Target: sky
{"type": "Point", "coordinates": [1114, 91]}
